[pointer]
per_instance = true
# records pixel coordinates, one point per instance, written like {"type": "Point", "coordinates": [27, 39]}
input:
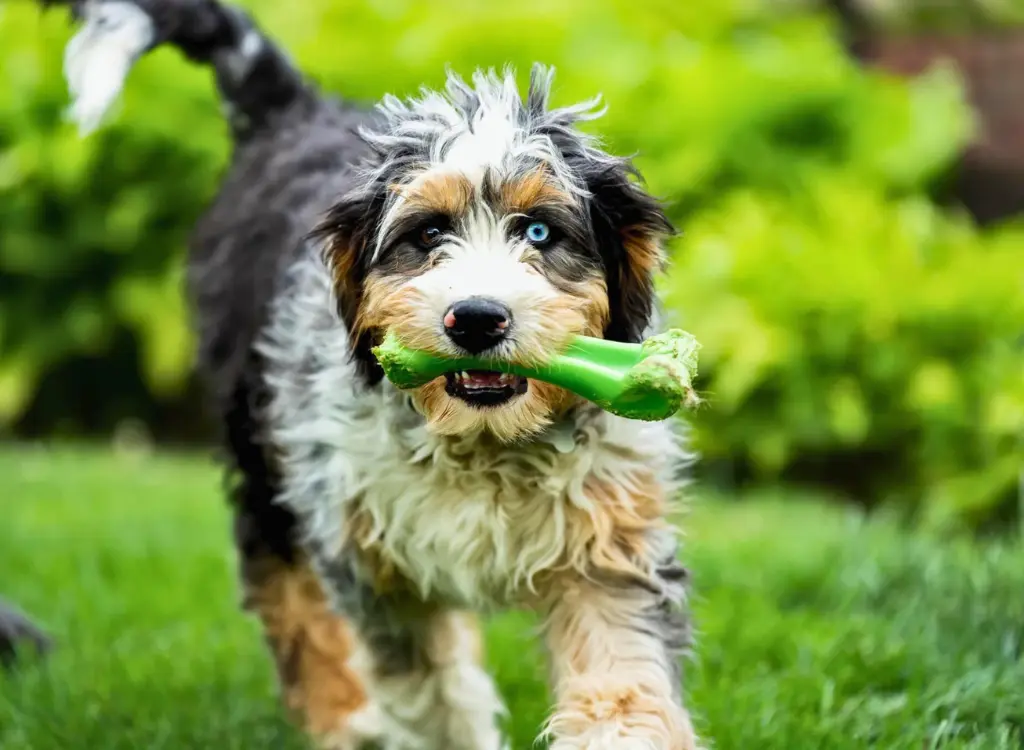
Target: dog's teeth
{"type": "Point", "coordinates": [464, 375]}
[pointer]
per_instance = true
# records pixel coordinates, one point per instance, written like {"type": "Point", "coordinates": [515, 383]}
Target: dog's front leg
{"type": "Point", "coordinates": [615, 648]}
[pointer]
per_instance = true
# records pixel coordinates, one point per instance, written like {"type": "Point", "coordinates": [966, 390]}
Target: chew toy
{"type": "Point", "coordinates": [649, 381]}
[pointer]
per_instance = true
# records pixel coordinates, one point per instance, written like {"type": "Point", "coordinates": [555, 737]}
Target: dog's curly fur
{"type": "Point", "coordinates": [370, 521]}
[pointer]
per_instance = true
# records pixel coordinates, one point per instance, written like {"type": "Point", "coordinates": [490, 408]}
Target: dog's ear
{"type": "Point", "coordinates": [629, 225]}
{"type": "Point", "coordinates": [630, 228]}
{"type": "Point", "coordinates": [347, 233]}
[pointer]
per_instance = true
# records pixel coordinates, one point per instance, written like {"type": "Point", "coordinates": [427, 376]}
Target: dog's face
{"type": "Point", "coordinates": [488, 225]}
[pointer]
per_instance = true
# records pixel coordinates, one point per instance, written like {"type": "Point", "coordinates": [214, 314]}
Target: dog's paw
{"type": "Point", "coordinates": [630, 732]}
{"type": "Point", "coordinates": [362, 730]}
{"type": "Point", "coordinates": [604, 743]}
{"type": "Point", "coordinates": [611, 737]}
{"type": "Point", "coordinates": [621, 721]}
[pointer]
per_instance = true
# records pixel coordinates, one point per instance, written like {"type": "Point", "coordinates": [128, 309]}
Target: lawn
{"type": "Point", "coordinates": [817, 629]}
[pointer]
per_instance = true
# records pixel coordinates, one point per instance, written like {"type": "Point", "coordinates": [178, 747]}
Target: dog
{"type": "Point", "coordinates": [374, 525]}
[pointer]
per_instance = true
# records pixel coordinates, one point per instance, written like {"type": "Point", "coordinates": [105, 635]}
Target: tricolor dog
{"type": "Point", "coordinates": [373, 524]}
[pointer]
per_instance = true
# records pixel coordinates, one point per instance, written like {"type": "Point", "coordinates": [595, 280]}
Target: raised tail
{"type": "Point", "coordinates": [255, 78]}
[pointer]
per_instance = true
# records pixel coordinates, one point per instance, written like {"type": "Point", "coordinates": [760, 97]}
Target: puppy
{"type": "Point", "coordinates": [372, 523]}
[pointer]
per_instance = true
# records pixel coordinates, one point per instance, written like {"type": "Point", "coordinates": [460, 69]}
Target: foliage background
{"type": "Point", "coordinates": [856, 336]}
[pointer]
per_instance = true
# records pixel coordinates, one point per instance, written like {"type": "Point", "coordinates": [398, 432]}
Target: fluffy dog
{"type": "Point", "coordinates": [372, 522]}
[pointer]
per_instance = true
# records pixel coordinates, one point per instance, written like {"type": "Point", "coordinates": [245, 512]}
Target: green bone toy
{"type": "Point", "coordinates": [650, 381]}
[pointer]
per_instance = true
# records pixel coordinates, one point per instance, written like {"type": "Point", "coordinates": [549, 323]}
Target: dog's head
{"type": "Point", "coordinates": [490, 225]}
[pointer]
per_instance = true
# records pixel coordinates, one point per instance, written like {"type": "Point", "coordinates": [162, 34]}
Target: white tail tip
{"type": "Point", "coordinates": [98, 58]}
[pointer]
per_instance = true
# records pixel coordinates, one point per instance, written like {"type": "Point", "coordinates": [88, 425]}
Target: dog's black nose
{"type": "Point", "coordinates": [477, 324]}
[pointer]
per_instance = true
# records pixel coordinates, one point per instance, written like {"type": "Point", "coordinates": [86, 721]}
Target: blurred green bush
{"type": "Point", "coordinates": [855, 336]}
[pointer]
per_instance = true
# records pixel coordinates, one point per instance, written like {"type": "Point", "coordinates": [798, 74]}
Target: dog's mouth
{"type": "Point", "coordinates": [484, 388]}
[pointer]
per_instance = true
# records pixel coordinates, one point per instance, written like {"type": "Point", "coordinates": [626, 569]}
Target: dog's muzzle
{"type": "Point", "coordinates": [476, 325]}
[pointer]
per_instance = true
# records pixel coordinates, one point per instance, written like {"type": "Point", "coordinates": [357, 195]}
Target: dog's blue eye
{"type": "Point", "coordinates": [538, 232]}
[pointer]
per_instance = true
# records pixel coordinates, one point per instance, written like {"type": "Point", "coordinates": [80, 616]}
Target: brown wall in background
{"type": "Point", "coordinates": [990, 181]}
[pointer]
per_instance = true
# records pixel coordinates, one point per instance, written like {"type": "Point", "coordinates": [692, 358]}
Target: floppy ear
{"type": "Point", "coordinates": [631, 228]}
{"type": "Point", "coordinates": [629, 225]}
{"type": "Point", "coordinates": [347, 232]}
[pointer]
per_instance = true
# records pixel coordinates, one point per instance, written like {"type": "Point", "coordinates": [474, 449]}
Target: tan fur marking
{"type": "Point", "coordinates": [534, 190]}
{"type": "Point", "coordinates": [589, 297]}
{"type": "Point", "coordinates": [622, 515]}
{"type": "Point", "coordinates": [455, 637]}
{"type": "Point", "coordinates": [446, 193]}
{"type": "Point", "coordinates": [433, 400]}
{"type": "Point", "coordinates": [312, 647]}
{"type": "Point", "coordinates": [644, 259]}
{"type": "Point", "coordinates": [389, 304]}
{"type": "Point", "coordinates": [627, 712]}
{"type": "Point", "coordinates": [612, 681]}
{"type": "Point", "coordinates": [566, 314]}
{"type": "Point", "coordinates": [342, 259]}
{"type": "Point", "coordinates": [595, 294]}
{"type": "Point", "coordinates": [474, 641]}
{"type": "Point", "coordinates": [643, 251]}
{"type": "Point", "coordinates": [552, 400]}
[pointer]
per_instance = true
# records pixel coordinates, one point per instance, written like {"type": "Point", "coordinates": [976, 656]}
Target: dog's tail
{"type": "Point", "coordinates": [255, 78]}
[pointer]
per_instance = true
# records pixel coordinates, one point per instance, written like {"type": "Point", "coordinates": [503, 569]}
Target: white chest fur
{"type": "Point", "coordinates": [478, 523]}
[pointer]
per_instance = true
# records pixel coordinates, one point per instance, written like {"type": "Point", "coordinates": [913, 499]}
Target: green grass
{"type": "Point", "coordinates": [816, 629]}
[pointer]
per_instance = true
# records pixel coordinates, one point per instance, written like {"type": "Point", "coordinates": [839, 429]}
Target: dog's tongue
{"type": "Point", "coordinates": [481, 379]}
